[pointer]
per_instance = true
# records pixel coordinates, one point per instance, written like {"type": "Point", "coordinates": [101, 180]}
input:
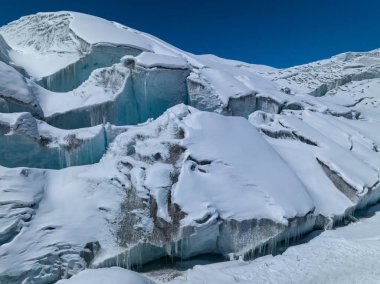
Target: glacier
{"type": "Point", "coordinates": [335, 255]}
{"type": "Point", "coordinates": [119, 149]}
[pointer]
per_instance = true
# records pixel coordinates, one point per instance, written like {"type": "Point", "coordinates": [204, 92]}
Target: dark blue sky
{"type": "Point", "coordinates": [279, 33]}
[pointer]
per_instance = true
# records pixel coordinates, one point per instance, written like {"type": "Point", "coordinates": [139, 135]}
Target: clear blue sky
{"type": "Point", "coordinates": [279, 33]}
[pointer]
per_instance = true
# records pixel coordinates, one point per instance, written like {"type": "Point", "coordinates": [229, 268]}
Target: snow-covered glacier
{"type": "Point", "coordinates": [118, 149]}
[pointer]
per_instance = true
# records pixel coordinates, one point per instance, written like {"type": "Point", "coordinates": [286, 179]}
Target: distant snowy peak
{"type": "Point", "coordinates": [42, 33]}
{"type": "Point", "coordinates": [55, 40]}
{"type": "Point", "coordinates": [66, 32]}
{"type": "Point", "coordinates": [317, 78]}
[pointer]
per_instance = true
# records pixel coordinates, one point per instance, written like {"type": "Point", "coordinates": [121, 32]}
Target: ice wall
{"type": "Point", "coordinates": [72, 76]}
{"type": "Point", "coordinates": [141, 93]}
{"type": "Point", "coordinates": [49, 147]}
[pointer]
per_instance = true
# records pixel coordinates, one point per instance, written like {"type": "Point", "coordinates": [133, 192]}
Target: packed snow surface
{"type": "Point", "coordinates": [114, 275]}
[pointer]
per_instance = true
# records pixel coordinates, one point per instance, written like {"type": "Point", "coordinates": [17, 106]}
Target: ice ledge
{"type": "Point", "coordinates": [150, 60]}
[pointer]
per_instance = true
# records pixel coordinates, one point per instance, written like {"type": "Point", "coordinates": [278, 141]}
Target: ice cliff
{"type": "Point", "coordinates": [117, 148]}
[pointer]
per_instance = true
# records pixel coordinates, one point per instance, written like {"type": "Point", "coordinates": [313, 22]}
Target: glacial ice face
{"type": "Point", "coordinates": [121, 94]}
{"type": "Point", "coordinates": [73, 75]}
{"type": "Point", "coordinates": [49, 147]}
{"type": "Point", "coordinates": [306, 159]}
{"type": "Point", "coordinates": [346, 255]}
{"type": "Point", "coordinates": [4, 51]}
{"type": "Point", "coordinates": [133, 94]}
{"type": "Point", "coordinates": [17, 94]}
{"type": "Point", "coordinates": [104, 97]}
{"type": "Point", "coordinates": [156, 89]}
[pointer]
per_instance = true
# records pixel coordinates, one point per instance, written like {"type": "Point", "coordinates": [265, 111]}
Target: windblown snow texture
{"type": "Point", "coordinates": [117, 149]}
